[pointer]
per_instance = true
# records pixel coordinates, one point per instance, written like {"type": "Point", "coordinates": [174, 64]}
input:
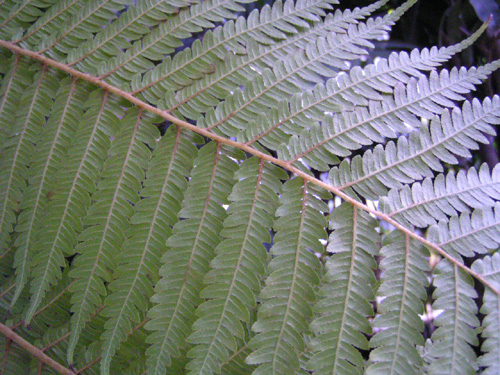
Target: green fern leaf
{"type": "Point", "coordinates": [343, 307]}
{"type": "Point", "coordinates": [284, 312]}
{"type": "Point", "coordinates": [403, 288]}
{"type": "Point", "coordinates": [138, 263]}
{"type": "Point", "coordinates": [234, 278]}
{"type": "Point", "coordinates": [191, 247]}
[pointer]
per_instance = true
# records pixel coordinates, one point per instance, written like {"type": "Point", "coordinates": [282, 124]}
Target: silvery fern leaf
{"type": "Point", "coordinates": [220, 187]}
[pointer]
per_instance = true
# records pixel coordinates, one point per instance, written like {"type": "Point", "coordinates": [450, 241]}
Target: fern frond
{"type": "Point", "coordinates": [237, 268]}
{"type": "Point", "coordinates": [108, 216]}
{"type": "Point", "coordinates": [284, 313]}
{"type": "Point", "coordinates": [346, 131]}
{"type": "Point", "coordinates": [45, 163]}
{"type": "Point", "coordinates": [138, 263]}
{"type": "Point", "coordinates": [49, 23]}
{"type": "Point", "coordinates": [191, 247]}
{"type": "Point", "coordinates": [233, 35]}
{"type": "Point", "coordinates": [469, 234]}
{"type": "Point", "coordinates": [70, 195]}
{"type": "Point", "coordinates": [343, 309]}
{"type": "Point", "coordinates": [17, 15]}
{"type": "Point", "coordinates": [18, 151]}
{"type": "Point", "coordinates": [425, 203]}
{"type": "Point", "coordinates": [296, 66]}
{"type": "Point", "coordinates": [402, 288]}
{"type": "Point", "coordinates": [342, 91]}
{"type": "Point", "coordinates": [489, 267]}
{"type": "Point", "coordinates": [136, 22]}
{"type": "Point", "coordinates": [15, 82]}
{"type": "Point", "coordinates": [420, 153]}
{"type": "Point", "coordinates": [455, 333]}
{"type": "Point", "coordinates": [81, 26]}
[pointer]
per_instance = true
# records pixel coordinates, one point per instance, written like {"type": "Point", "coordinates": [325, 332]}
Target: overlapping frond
{"type": "Point", "coordinates": [265, 26]}
{"type": "Point", "coordinates": [190, 249]}
{"type": "Point", "coordinates": [139, 260]}
{"type": "Point", "coordinates": [70, 198]}
{"type": "Point", "coordinates": [376, 119]}
{"type": "Point", "coordinates": [343, 308]}
{"type": "Point", "coordinates": [425, 203]}
{"type": "Point", "coordinates": [399, 327]}
{"type": "Point", "coordinates": [286, 299]}
{"type": "Point", "coordinates": [420, 153]}
{"type": "Point", "coordinates": [455, 334]}
{"type": "Point", "coordinates": [234, 280]}
{"type": "Point", "coordinates": [469, 234]}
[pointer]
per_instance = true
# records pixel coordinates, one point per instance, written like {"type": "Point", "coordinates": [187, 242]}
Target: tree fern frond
{"type": "Point", "coordinates": [49, 23]}
{"type": "Point", "coordinates": [418, 155]}
{"type": "Point", "coordinates": [425, 203]}
{"type": "Point", "coordinates": [284, 313]}
{"type": "Point", "coordinates": [14, 83]}
{"type": "Point", "coordinates": [490, 360]}
{"type": "Point", "coordinates": [23, 135]}
{"type": "Point", "coordinates": [469, 234]}
{"type": "Point", "coordinates": [191, 247]}
{"type": "Point", "coordinates": [19, 14]}
{"type": "Point", "coordinates": [70, 199]}
{"type": "Point", "coordinates": [452, 340]}
{"type": "Point", "coordinates": [342, 91]}
{"type": "Point", "coordinates": [82, 26]}
{"type": "Point", "coordinates": [237, 268]}
{"type": "Point", "coordinates": [343, 132]}
{"type": "Point", "coordinates": [107, 218]}
{"type": "Point", "coordinates": [307, 62]}
{"type": "Point", "coordinates": [402, 288]}
{"type": "Point", "coordinates": [132, 25]}
{"type": "Point", "coordinates": [138, 263]}
{"type": "Point", "coordinates": [233, 35]}
{"type": "Point", "coordinates": [344, 306]}
{"type": "Point", "coordinates": [45, 163]}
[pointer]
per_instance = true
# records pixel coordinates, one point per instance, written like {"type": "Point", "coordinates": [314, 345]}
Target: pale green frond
{"type": "Point", "coordinates": [456, 325]}
{"type": "Point", "coordinates": [80, 27]}
{"type": "Point", "coordinates": [264, 26]}
{"type": "Point", "coordinates": [425, 203]}
{"type": "Point", "coordinates": [138, 262]}
{"type": "Point", "coordinates": [285, 301]}
{"type": "Point", "coordinates": [420, 153]}
{"type": "Point", "coordinates": [468, 234]}
{"type": "Point", "coordinates": [48, 156]}
{"type": "Point", "coordinates": [70, 195]}
{"type": "Point", "coordinates": [489, 267]}
{"type": "Point", "coordinates": [190, 249]}
{"type": "Point", "coordinates": [343, 308]}
{"type": "Point", "coordinates": [234, 280]}
{"type": "Point", "coordinates": [49, 23]}
{"type": "Point", "coordinates": [133, 24]}
{"type": "Point", "coordinates": [373, 120]}
{"type": "Point", "coordinates": [397, 324]}
{"type": "Point", "coordinates": [17, 15]}
{"type": "Point", "coordinates": [299, 65]}
{"type": "Point", "coordinates": [20, 359]}
{"type": "Point", "coordinates": [108, 217]}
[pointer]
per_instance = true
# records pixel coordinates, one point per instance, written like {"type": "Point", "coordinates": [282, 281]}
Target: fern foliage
{"type": "Point", "coordinates": [190, 188]}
